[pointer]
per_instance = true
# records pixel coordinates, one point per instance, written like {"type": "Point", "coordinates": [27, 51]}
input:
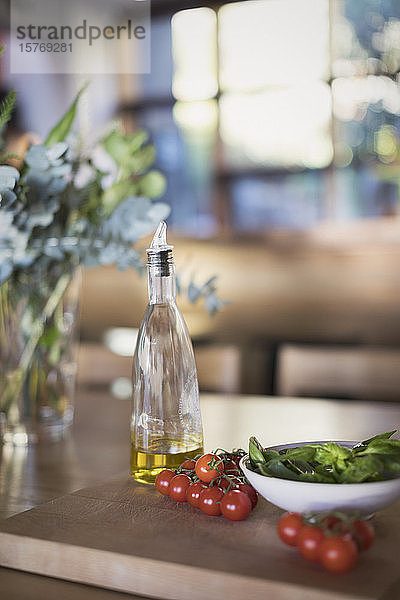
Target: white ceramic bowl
{"type": "Point", "coordinates": [303, 497]}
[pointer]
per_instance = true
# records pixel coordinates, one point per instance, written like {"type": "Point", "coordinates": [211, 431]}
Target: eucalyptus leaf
{"type": "Point", "coordinates": [8, 177]}
{"type": "Point", "coordinates": [134, 218]}
{"type": "Point", "coordinates": [210, 284]}
{"type": "Point", "coordinates": [158, 211]}
{"type": "Point", "coordinates": [141, 160]}
{"type": "Point", "coordinates": [66, 208]}
{"type": "Point", "coordinates": [152, 184]}
{"type": "Point", "coordinates": [213, 303]}
{"type": "Point", "coordinates": [54, 152]}
{"type": "Point", "coordinates": [194, 292]}
{"type": "Point", "coordinates": [7, 198]}
{"type": "Point", "coordinates": [36, 158]}
{"type": "Point", "coordinates": [6, 268]}
{"type": "Point", "coordinates": [115, 194]}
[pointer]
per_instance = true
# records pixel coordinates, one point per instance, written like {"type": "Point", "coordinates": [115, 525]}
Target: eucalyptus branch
{"type": "Point", "coordinates": [17, 377]}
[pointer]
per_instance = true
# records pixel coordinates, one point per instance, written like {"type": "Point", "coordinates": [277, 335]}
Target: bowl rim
{"type": "Point", "coordinates": [281, 481]}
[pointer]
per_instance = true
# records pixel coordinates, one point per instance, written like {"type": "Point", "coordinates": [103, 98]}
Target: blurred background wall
{"type": "Point", "coordinates": [277, 125]}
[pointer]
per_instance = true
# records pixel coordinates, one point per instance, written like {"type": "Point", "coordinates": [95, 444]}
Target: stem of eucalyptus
{"type": "Point", "coordinates": [18, 376]}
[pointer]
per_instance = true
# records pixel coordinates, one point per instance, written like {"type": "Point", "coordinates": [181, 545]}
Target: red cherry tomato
{"type": "Point", "coordinates": [204, 471]}
{"type": "Point", "coordinates": [329, 521]}
{"type": "Point", "coordinates": [163, 480]}
{"type": "Point", "coordinates": [236, 505]}
{"type": "Point", "coordinates": [229, 484]}
{"type": "Point", "coordinates": [193, 494]}
{"type": "Point", "coordinates": [250, 491]}
{"type": "Point", "coordinates": [309, 540]}
{"type": "Point", "coordinates": [364, 534]}
{"type": "Point", "coordinates": [289, 526]}
{"type": "Point", "coordinates": [209, 501]}
{"type": "Point", "coordinates": [338, 553]}
{"type": "Point", "coordinates": [231, 467]}
{"type": "Point", "coordinates": [188, 464]}
{"type": "Point", "coordinates": [178, 487]}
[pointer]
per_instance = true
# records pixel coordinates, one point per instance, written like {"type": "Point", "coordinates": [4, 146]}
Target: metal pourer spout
{"type": "Point", "coordinates": [159, 255]}
{"type": "Point", "coordinates": [159, 241]}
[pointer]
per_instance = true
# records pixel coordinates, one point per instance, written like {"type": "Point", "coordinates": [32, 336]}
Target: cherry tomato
{"type": "Point", "coordinates": [231, 467]}
{"type": "Point", "coordinates": [289, 526]}
{"type": "Point", "coordinates": [193, 494]}
{"type": "Point", "coordinates": [178, 487]}
{"type": "Point", "coordinates": [236, 505]}
{"type": "Point", "coordinates": [365, 534]}
{"type": "Point", "coordinates": [163, 480]}
{"type": "Point", "coordinates": [229, 484]}
{"type": "Point", "coordinates": [188, 464]}
{"type": "Point", "coordinates": [309, 541]}
{"type": "Point", "coordinates": [250, 491]}
{"type": "Point", "coordinates": [338, 553]}
{"type": "Point", "coordinates": [204, 471]}
{"type": "Point", "coordinates": [329, 521]}
{"type": "Point", "coordinates": [209, 501]}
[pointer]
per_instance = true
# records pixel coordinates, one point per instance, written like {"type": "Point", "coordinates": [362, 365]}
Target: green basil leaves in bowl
{"type": "Point", "coordinates": [319, 476]}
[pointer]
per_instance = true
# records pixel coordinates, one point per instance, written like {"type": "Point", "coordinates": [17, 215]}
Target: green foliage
{"type": "Point", "coordinates": [122, 147]}
{"type": "Point", "coordinates": [6, 108]}
{"type": "Point", "coordinates": [51, 221]}
{"type": "Point", "coordinates": [208, 290]}
{"type": "Point", "coordinates": [63, 127]}
{"type": "Point", "coordinates": [374, 459]}
{"type": "Point", "coordinates": [152, 184]}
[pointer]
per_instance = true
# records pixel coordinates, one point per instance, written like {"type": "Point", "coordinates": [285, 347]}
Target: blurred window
{"type": "Point", "coordinates": [276, 113]}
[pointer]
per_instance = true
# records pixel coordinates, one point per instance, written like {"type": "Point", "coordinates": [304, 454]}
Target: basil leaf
{"type": "Point", "coordinates": [318, 477]}
{"type": "Point", "coordinates": [327, 473]}
{"type": "Point", "coordinates": [379, 436]}
{"type": "Point", "coordinates": [269, 454]}
{"type": "Point", "coordinates": [362, 468]}
{"type": "Point", "coordinates": [263, 470]}
{"type": "Point", "coordinates": [302, 466]}
{"type": "Point", "coordinates": [390, 447]}
{"type": "Point", "coordinates": [278, 469]}
{"type": "Point", "coordinates": [326, 454]}
{"type": "Point", "coordinates": [391, 463]}
{"type": "Point", "coordinates": [306, 453]}
{"type": "Point", "coordinates": [255, 451]}
{"type": "Point", "coordinates": [372, 460]}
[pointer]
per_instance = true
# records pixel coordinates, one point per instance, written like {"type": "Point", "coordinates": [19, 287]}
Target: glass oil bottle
{"type": "Point", "coordinates": [166, 422]}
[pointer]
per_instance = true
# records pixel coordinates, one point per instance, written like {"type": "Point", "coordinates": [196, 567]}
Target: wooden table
{"type": "Point", "coordinates": [99, 448]}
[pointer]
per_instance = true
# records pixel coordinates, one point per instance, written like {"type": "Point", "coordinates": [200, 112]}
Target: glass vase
{"type": "Point", "coordinates": [38, 326]}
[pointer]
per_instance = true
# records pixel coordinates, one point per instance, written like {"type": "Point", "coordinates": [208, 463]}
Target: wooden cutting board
{"type": "Point", "coordinates": [125, 536]}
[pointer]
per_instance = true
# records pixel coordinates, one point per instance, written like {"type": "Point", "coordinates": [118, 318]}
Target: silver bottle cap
{"type": "Point", "coordinates": [159, 255]}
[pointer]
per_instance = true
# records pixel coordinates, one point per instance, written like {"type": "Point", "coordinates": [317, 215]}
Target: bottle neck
{"type": "Point", "coordinates": [162, 289]}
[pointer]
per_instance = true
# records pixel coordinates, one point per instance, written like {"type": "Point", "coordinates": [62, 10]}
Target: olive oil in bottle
{"type": "Point", "coordinates": [166, 423]}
